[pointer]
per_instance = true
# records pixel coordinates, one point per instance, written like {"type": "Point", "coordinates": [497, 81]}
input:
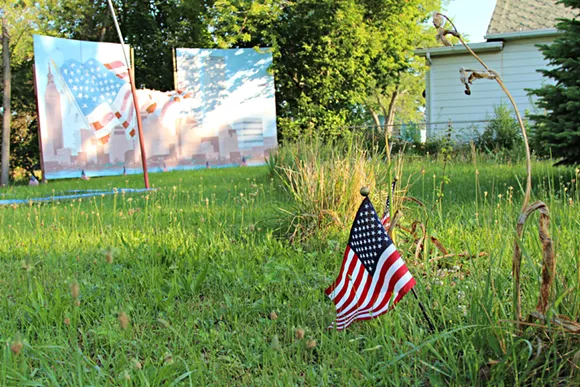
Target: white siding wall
{"type": "Point", "coordinates": [517, 64]}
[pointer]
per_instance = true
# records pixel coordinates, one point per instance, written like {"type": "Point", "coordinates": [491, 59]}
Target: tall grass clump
{"type": "Point", "coordinates": [324, 180]}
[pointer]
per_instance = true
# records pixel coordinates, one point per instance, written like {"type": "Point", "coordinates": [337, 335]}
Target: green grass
{"type": "Point", "coordinates": [199, 265]}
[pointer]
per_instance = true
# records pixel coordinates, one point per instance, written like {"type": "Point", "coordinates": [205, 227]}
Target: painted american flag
{"type": "Point", "coordinates": [386, 219]}
{"type": "Point", "coordinates": [103, 94]}
{"type": "Point", "coordinates": [373, 276]}
{"type": "Point", "coordinates": [165, 105]}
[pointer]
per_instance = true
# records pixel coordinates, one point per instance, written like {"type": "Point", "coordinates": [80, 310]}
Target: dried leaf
{"type": "Point", "coordinates": [438, 20]}
{"type": "Point", "coordinates": [564, 322]}
{"type": "Point", "coordinates": [467, 76]}
{"type": "Point", "coordinates": [548, 261]}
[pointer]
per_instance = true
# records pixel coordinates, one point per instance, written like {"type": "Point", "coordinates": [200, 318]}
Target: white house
{"type": "Point", "coordinates": [515, 30]}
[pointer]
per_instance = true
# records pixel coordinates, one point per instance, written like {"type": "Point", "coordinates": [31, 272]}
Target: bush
{"type": "Point", "coordinates": [324, 179]}
{"type": "Point", "coordinates": [501, 133]}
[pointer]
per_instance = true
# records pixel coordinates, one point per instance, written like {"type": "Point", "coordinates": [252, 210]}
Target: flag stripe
{"type": "Point", "coordinates": [390, 264]}
{"type": "Point", "coordinates": [373, 276]}
{"type": "Point", "coordinates": [404, 284]}
{"type": "Point", "coordinates": [382, 299]}
{"type": "Point", "coordinates": [118, 68]}
{"type": "Point", "coordinates": [340, 290]}
{"type": "Point", "coordinates": [353, 282]}
{"type": "Point", "coordinates": [361, 287]}
{"type": "Point", "coordinates": [382, 265]}
{"type": "Point", "coordinates": [381, 306]}
{"type": "Point", "coordinates": [348, 255]}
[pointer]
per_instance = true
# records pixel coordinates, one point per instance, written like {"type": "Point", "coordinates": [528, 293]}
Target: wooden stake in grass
{"type": "Point", "coordinates": [467, 76]}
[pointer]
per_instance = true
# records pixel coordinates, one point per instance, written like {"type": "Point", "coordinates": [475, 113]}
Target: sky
{"type": "Point", "coordinates": [471, 17]}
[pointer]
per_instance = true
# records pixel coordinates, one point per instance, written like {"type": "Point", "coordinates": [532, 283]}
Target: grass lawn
{"type": "Point", "coordinates": [194, 284]}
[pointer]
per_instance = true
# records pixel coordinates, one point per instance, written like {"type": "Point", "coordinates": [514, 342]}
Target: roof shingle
{"type": "Point", "coordinates": [526, 15]}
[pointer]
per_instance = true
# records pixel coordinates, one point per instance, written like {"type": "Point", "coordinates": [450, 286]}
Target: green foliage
{"type": "Point", "coordinates": [198, 280]}
{"type": "Point", "coordinates": [24, 18]}
{"type": "Point", "coordinates": [152, 28]}
{"type": "Point", "coordinates": [330, 58]}
{"type": "Point", "coordinates": [558, 131]}
{"type": "Point", "coordinates": [502, 132]}
{"type": "Point", "coordinates": [324, 179]}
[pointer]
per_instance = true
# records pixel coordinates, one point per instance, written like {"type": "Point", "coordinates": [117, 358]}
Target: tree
{"type": "Point", "coordinates": [20, 19]}
{"type": "Point", "coordinates": [558, 130]}
{"type": "Point", "coordinates": [397, 74]}
{"type": "Point", "coordinates": [151, 27]}
{"type": "Point", "coordinates": [331, 59]}
{"type": "Point", "coordinates": [5, 160]}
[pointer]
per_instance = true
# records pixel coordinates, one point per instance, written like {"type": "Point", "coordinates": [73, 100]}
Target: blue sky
{"type": "Point", "coordinates": [471, 17]}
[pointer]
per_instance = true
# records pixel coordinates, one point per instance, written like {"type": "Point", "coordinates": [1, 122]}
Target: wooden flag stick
{"type": "Point", "coordinates": [135, 102]}
{"type": "Point", "coordinates": [365, 191]}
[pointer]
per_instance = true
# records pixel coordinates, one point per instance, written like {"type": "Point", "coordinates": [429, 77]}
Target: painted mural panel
{"type": "Point", "coordinates": [86, 113]}
{"type": "Point", "coordinates": [232, 104]}
{"type": "Point", "coordinates": [223, 114]}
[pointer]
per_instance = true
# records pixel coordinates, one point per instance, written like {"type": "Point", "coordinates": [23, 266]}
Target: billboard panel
{"type": "Point", "coordinates": [86, 114]}
{"type": "Point", "coordinates": [233, 104]}
{"type": "Point", "coordinates": [223, 114]}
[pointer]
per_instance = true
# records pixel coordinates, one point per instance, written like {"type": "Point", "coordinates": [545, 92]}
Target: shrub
{"type": "Point", "coordinates": [501, 133]}
{"type": "Point", "coordinates": [324, 180]}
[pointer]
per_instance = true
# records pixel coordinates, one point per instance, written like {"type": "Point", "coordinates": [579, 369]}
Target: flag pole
{"type": "Point", "coordinates": [365, 191]}
{"type": "Point", "coordinates": [135, 101]}
{"type": "Point", "coordinates": [431, 326]}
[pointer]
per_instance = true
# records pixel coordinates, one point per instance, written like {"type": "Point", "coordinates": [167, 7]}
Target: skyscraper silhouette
{"type": "Point", "coordinates": [53, 116]}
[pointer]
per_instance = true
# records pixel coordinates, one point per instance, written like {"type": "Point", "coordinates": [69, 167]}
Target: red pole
{"type": "Point", "coordinates": [135, 102]}
{"type": "Point", "coordinates": [139, 129]}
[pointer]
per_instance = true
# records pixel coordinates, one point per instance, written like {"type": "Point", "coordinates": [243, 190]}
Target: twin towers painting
{"type": "Point", "coordinates": [221, 112]}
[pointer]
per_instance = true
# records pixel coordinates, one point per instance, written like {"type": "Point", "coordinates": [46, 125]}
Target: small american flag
{"type": "Point", "coordinates": [373, 276]}
{"type": "Point", "coordinates": [386, 219]}
{"type": "Point", "coordinates": [103, 94]}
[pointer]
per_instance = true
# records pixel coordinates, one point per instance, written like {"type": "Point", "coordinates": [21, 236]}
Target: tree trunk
{"type": "Point", "coordinates": [387, 146]}
{"type": "Point", "coordinates": [375, 119]}
{"type": "Point", "coordinates": [377, 125]}
{"type": "Point", "coordinates": [390, 118]}
{"type": "Point", "coordinates": [5, 160]}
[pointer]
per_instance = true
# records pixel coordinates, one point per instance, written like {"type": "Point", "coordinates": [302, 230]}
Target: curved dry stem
{"type": "Point", "coordinates": [516, 262]}
{"type": "Point", "coordinates": [464, 44]}
{"type": "Point", "coordinates": [548, 261]}
{"type": "Point", "coordinates": [498, 79]}
{"type": "Point", "coordinates": [394, 222]}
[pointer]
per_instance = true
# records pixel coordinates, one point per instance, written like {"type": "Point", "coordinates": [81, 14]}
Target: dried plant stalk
{"type": "Point", "coordinates": [549, 260]}
{"type": "Point", "coordinates": [548, 264]}
{"type": "Point", "coordinates": [569, 325]}
{"type": "Point", "coordinates": [516, 110]}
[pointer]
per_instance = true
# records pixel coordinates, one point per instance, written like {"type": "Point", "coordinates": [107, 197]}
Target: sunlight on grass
{"type": "Point", "coordinates": [193, 284]}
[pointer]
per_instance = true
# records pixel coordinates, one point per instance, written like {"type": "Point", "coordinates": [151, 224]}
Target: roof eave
{"type": "Point", "coordinates": [543, 33]}
{"type": "Point", "coordinates": [459, 49]}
